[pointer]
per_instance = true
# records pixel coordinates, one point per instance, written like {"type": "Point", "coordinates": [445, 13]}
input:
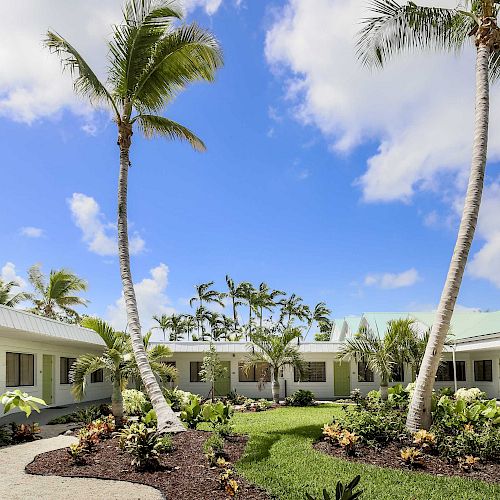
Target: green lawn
{"type": "Point", "coordinates": [279, 457]}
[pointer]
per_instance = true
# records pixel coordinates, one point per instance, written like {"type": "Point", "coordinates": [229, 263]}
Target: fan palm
{"type": "Point", "coordinates": [396, 28]}
{"type": "Point", "coordinates": [118, 363]}
{"type": "Point", "coordinates": [273, 345]}
{"type": "Point", "coordinates": [56, 296]}
{"type": "Point", "coordinates": [151, 59]}
{"type": "Point", "coordinates": [7, 297]}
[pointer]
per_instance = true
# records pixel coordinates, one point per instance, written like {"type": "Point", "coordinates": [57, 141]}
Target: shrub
{"type": "Point", "coordinates": [216, 413]}
{"type": "Point", "coordinates": [191, 413]}
{"type": "Point", "coordinates": [341, 492]}
{"type": "Point", "coordinates": [424, 440]}
{"type": "Point", "coordinates": [22, 433]}
{"type": "Point", "coordinates": [411, 456]}
{"type": "Point", "coordinates": [224, 430]}
{"type": "Point", "coordinates": [469, 395]}
{"type": "Point", "coordinates": [90, 413]}
{"type": "Point", "coordinates": [236, 399]}
{"type": "Point", "coordinates": [213, 448]}
{"type": "Point", "coordinates": [5, 435]}
{"type": "Point", "coordinates": [88, 438]}
{"type": "Point", "coordinates": [229, 485]}
{"type": "Point", "coordinates": [177, 399]}
{"type": "Point", "coordinates": [347, 440]}
{"type": "Point", "coordinates": [332, 432]}
{"type": "Point", "coordinates": [300, 398]}
{"type": "Point", "coordinates": [135, 402]}
{"type": "Point", "coordinates": [468, 462]}
{"type": "Point", "coordinates": [77, 453]}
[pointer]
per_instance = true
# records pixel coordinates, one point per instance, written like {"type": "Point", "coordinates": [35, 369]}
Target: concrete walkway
{"type": "Point", "coordinates": [17, 485]}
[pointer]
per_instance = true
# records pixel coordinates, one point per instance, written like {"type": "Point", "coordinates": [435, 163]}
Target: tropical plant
{"type": "Point", "coordinates": [411, 456]}
{"type": "Point", "coordinates": [398, 28]}
{"type": "Point", "coordinates": [189, 324]}
{"type": "Point", "coordinates": [21, 400]}
{"type": "Point", "coordinates": [21, 433]}
{"type": "Point", "coordinates": [7, 297]}
{"type": "Point", "coordinates": [341, 492]}
{"type": "Point", "coordinates": [152, 57]}
{"type": "Point", "coordinates": [118, 363]}
{"type": "Point", "coordinates": [292, 307]}
{"type": "Point", "coordinates": [300, 398]}
{"type": "Point", "coordinates": [204, 294]}
{"type": "Point", "coordinates": [174, 323]}
{"type": "Point", "coordinates": [56, 296]}
{"type": "Point", "coordinates": [264, 300]}
{"type": "Point", "coordinates": [321, 315]}
{"type": "Point", "coordinates": [273, 345]}
{"type": "Point", "coordinates": [135, 402]}
{"type": "Point", "coordinates": [212, 369]}
{"type": "Point", "coordinates": [248, 294]}
{"type": "Point", "coordinates": [234, 292]}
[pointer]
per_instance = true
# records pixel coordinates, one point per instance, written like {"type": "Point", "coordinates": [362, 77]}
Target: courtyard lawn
{"type": "Point", "coordinates": [279, 457]}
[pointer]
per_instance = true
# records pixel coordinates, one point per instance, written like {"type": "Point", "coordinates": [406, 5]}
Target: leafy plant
{"type": "Point", "coordinates": [469, 395]}
{"type": "Point", "coordinates": [332, 432]}
{"type": "Point", "coordinates": [213, 448]}
{"type": "Point", "coordinates": [135, 402]}
{"type": "Point", "coordinates": [425, 440]}
{"type": "Point", "coordinates": [300, 398]}
{"type": "Point", "coordinates": [411, 456]}
{"type": "Point", "coordinates": [212, 369]}
{"type": "Point", "coordinates": [21, 400]}
{"type": "Point", "coordinates": [229, 484]}
{"type": "Point", "coordinates": [5, 435]}
{"type": "Point", "coordinates": [347, 440]}
{"type": "Point", "coordinates": [77, 453]}
{"type": "Point", "coordinates": [177, 399]}
{"type": "Point", "coordinates": [216, 413]}
{"type": "Point", "coordinates": [191, 413]}
{"type": "Point", "coordinates": [236, 399]}
{"type": "Point", "coordinates": [468, 462]}
{"type": "Point", "coordinates": [88, 438]}
{"type": "Point", "coordinates": [24, 432]}
{"type": "Point", "coordinates": [341, 492]}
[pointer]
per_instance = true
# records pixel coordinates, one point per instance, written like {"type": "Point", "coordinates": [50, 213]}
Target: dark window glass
{"type": "Point", "coordinates": [364, 373]}
{"type": "Point", "coordinates": [398, 374]}
{"type": "Point", "coordinates": [64, 370]}
{"type": "Point", "coordinates": [315, 371]}
{"type": "Point", "coordinates": [20, 370]}
{"type": "Point", "coordinates": [194, 371]}
{"type": "Point", "coordinates": [260, 372]}
{"type": "Point", "coordinates": [445, 371]}
{"type": "Point", "coordinates": [97, 376]}
{"type": "Point", "coordinates": [483, 371]}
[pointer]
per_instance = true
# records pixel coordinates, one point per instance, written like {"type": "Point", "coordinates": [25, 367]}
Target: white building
{"type": "Point", "coordinates": [36, 354]}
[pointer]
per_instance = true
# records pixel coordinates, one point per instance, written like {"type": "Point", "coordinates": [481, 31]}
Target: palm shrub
{"type": "Point", "coordinates": [300, 398]}
{"type": "Point", "coordinates": [153, 56]}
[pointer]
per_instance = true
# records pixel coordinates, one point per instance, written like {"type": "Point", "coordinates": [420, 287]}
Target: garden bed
{"type": "Point", "coordinates": [184, 473]}
{"type": "Point", "coordinates": [389, 456]}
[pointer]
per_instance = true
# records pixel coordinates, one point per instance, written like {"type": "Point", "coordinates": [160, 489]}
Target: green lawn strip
{"type": "Point", "coordinates": [279, 457]}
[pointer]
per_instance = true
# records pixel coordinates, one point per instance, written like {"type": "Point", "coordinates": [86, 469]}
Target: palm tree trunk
{"type": "Point", "coordinates": [167, 421]}
{"type": "Point", "coordinates": [419, 413]}
{"type": "Point", "coordinates": [117, 401]}
{"type": "Point", "coordinates": [384, 390]}
{"type": "Point", "coordinates": [276, 386]}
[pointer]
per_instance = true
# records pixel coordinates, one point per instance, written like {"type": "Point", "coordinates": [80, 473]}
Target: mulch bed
{"type": "Point", "coordinates": [389, 456]}
{"type": "Point", "coordinates": [184, 474]}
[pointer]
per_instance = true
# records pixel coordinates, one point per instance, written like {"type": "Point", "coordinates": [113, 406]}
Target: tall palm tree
{"type": "Point", "coordinates": [162, 322]}
{"type": "Point", "coordinates": [292, 307]}
{"type": "Point", "coordinates": [56, 296]}
{"type": "Point", "coordinates": [204, 294]}
{"type": "Point", "coordinates": [234, 293]}
{"type": "Point", "coordinates": [151, 59]}
{"type": "Point", "coordinates": [265, 300]}
{"type": "Point", "coordinates": [320, 314]}
{"type": "Point", "coordinates": [248, 294]}
{"type": "Point", "coordinates": [189, 324]}
{"type": "Point", "coordinates": [7, 297]}
{"type": "Point", "coordinates": [175, 323]}
{"type": "Point", "coordinates": [118, 363]}
{"type": "Point", "coordinates": [397, 28]}
{"type": "Point", "coordinates": [274, 346]}
{"type": "Point", "coordinates": [216, 322]}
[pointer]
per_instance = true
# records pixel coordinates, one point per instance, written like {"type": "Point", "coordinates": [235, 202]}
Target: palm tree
{"type": "Point", "coordinates": [248, 293]}
{"type": "Point", "coordinates": [162, 324]}
{"type": "Point", "coordinates": [56, 296]}
{"type": "Point", "coordinates": [273, 345]}
{"type": "Point", "coordinates": [151, 59]}
{"type": "Point", "coordinates": [204, 293]}
{"type": "Point", "coordinates": [292, 307]}
{"type": "Point", "coordinates": [7, 297]}
{"type": "Point", "coordinates": [396, 28]}
{"type": "Point", "coordinates": [320, 314]}
{"type": "Point", "coordinates": [265, 300]}
{"type": "Point", "coordinates": [189, 324]}
{"type": "Point", "coordinates": [234, 293]}
{"type": "Point", "coordinates": [216, 323]}
{"type": "Point", "coordinates": [118, 363]}
{"type": "Point", "coordinates": [175, 323]}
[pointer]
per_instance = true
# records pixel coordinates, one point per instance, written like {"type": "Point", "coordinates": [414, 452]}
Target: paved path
{"type": "Point", "coordinates": [17, 485]}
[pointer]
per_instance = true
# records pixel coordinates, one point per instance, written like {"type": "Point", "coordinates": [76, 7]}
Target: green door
{"type": "Point", "coordinates": [47, 391]}
{"type": "Point", "coordinates": [223, 385]}
{"type": "Point", "coordinates": [341, 378]}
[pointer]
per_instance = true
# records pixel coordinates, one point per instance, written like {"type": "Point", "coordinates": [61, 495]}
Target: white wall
{"type": "Point", "coordinates": [61, 392]}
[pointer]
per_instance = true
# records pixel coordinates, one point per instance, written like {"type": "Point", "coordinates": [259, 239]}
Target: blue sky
{"type": "Point", "coordinates": [294, 190]}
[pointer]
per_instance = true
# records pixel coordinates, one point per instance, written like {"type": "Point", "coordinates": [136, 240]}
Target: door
{"type": "Point", "coordinates": [47, 379]}
{"type": "Point", "coordinates": [223, 385]}
{"type": "Point", "coordinates": [341, 378]}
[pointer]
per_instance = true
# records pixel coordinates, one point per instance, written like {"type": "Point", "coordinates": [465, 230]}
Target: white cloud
{"type": "Point", "coordinates": [393, 280]}
{"type": "Point", "coordinates": [31, 83]}
{"type": "Point", "coordinates": [8, 273]}
{"type": "Point", "coordinates": [404, 108]}
{"type": "Point", "coordinates": [151, 300]}
{"type": "Point", "coordinates": [99, 234]}
{"type": "Point", "coordinates": [31, 232]}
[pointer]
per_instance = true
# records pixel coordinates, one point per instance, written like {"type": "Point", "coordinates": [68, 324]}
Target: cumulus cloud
{"type": "Point", "coordinates": [100, 235]}
{"type": "Point", "coordinates": [418, 110]}
{"type": "Point", "coordinates": [31, 83]}
{"type": "Point", "coordinates": [151, 300]}
{"type": "Point", "coordinates": [31, 232]}
{"type": "Point", "coordinates": [8, 273]}
{"type": "Point", "coordinates": [393, 280]}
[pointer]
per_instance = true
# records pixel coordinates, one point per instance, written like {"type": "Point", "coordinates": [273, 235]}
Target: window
{"type": "Point", "coordinates": [364, 373]}
{"type": "Point", "coordinates": [483, 371]}
{"type": "Point", "coordinates": [194, 371]}
{"type": "Point", "coordinates": [315, 371]}
{"type": "Point", "coordinates": [445, 371]}
{"type": "Point", "coordinates": [20, 369]}
{"type": "Point", "coordinates": [398, 374]}
{"type": "Point", "coordinates": [97, 376]}
{"type": "Point", "coordinates": [260, 372]}
{"type": "Point", "coordinates": [64, 370]}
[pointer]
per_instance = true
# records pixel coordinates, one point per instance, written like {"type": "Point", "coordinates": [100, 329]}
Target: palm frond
{"type": "Point", "coordinates": [152, 125]}
{"type": "Point", "coordinates": [103, 329]}
{"type": "Point", "coordinates": [396, 28]}
{"type": "Point", "coordinates": [81, 369]}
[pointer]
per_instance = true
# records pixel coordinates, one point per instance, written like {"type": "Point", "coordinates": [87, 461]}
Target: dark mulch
{"type": "Point", "coordinates": [184, 473]}
{"type": "Point", "coordinates": [389, 456]}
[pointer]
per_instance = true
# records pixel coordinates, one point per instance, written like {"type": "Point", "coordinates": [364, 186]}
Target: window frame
{"type": "Point", "coordinates": [253, 370]}
{"type": "Point", "coordinates": [199, 366]}
{"type": "Point", "coordinates": [97, 377]}
{"type": "Point", "coordinates": [66, 371]}
{"type": "Point", "coordinates": [307, 373]}
{"type": "Point", "coordinates": [365, 371]}
{"type": "Point", "coordinates": [19, 356]}
{"type": "Point", "coordinates": [477, 363]}
{"type": "Point", "coordinates": [461, 369]}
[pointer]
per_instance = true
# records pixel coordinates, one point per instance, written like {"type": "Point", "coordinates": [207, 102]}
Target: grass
{"type": "Point", "coordinates": [279, 457]}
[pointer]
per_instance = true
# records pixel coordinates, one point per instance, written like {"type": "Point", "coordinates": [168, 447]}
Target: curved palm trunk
{"type": "Point", "coordinates": [419, 413]}
{"type": "Point", "coordinates": [167, 421]}
{"type": "Point", "coordinates": [276, 386]}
